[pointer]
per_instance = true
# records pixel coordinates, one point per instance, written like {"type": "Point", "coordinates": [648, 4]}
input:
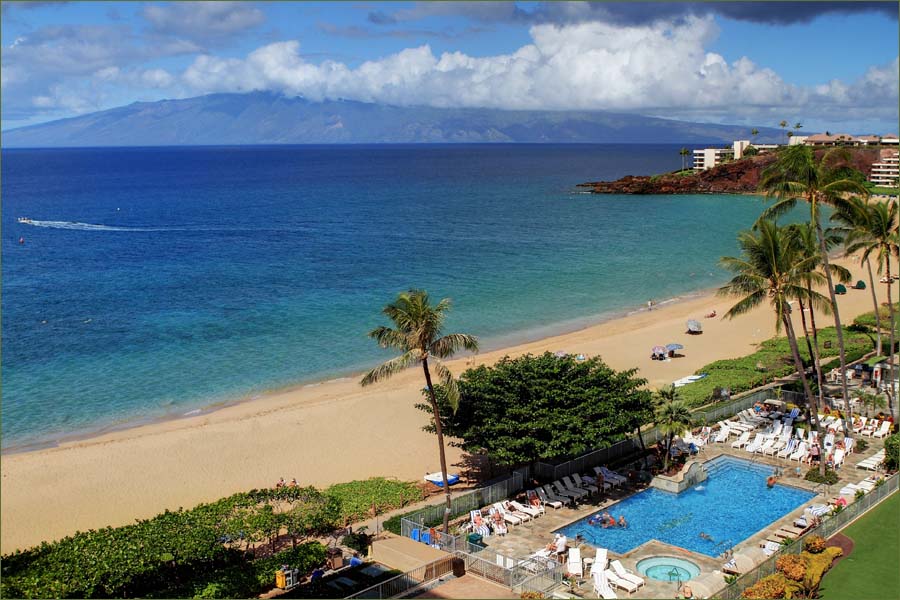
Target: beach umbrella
{"type": "Point", "coordinates": [694, 326]}
{"type": "Point", "coordinates": [671, 347]}
{"type": "Point", "coordinates": [560, 354]}
{"type": "Point", "coordinates": [658, 350]}
{"type": "Point", "coordinates": [840, 289]}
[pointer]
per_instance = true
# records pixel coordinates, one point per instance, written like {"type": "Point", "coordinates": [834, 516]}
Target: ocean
{"type": "Point", "coordinates": [154, 282]}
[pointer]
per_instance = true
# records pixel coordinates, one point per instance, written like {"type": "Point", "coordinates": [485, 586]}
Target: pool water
{"type": "Point", "coordinates": [668, 568]}
{"type": "Point", "coordinates": [730, 506]}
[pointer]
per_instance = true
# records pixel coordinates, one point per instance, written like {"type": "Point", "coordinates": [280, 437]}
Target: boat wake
{"type": "Point", "coordinates": [84, 226]}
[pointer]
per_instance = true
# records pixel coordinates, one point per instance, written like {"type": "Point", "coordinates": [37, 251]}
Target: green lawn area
{"type": "Point", "coordinates": [871, 569]}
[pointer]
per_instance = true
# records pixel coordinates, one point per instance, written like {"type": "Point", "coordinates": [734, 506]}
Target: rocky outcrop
{"type": "Point", "coordinates": [738, 177]}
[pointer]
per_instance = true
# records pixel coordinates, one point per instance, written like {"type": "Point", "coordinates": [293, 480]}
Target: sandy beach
{"type": "Point", "coordinates": [322, 434]}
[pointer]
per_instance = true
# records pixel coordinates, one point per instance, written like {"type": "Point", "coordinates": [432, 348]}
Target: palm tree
{"type": "Point", "coordinates": [798, 125]}
{"type": "Point", "coordinates": [877, 235]}
{"type": "Point", "coordinates": [672, 417]}
{"type": "Point", "coordinates": [683, 152]}
{"type": "Point", "coordinates": [771, 268]}
{"type": "Point", "coordinates": [797, 175]}
{"type": "Point", "coordinates": [754, 132]}
{"type": "Point", "coordinates": [783, 124]}
{"type": "Point", "coordinates": [869, 400]}
{"type": "Point", "coordinates": [418, 337]}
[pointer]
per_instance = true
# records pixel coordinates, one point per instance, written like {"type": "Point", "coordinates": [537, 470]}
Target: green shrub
{"type": "Point", "coordinates": [892, 452]}
{"type": "Point", "coordinates": [304, 557]}
{"type": "Point", "coordinates": [860, 445]}
{"type": "Point", "coordinates": [358, 497]}
{"type": "Point", "coordinates": [358, 541]}
{"type": "Point", "coordinates": [830, 477]}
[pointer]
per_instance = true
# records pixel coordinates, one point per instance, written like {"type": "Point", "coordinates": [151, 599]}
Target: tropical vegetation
{"type": "Point", "coordinates": [418, 337]}
{"type": "Point", "coordinates": [672, 417]}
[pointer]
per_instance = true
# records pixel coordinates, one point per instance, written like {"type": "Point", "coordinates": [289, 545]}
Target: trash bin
{"type": "Point", "coordinates": [280, 581]}
{"type": "Point", "coordinates": [335, 558]}
{"type": "Point", "coordinates": [477, 539]}
{"type": "Point", "coordinates": [459, 567]}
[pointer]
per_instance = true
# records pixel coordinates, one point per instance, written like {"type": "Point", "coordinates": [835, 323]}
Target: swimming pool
{"type": "Point", "coordinates": [730, 506]}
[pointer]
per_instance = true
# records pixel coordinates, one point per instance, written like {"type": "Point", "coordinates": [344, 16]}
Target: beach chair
{"type": "Point", "coordinates": [625, 574]}
{"type": "Point", "coordinates": [478, 523]}
{"type": "Point", "coordinates": [499, 527]}
{"type": "Point", "coordinates": [722, 435]}
{"type": "Point", "coordinates": [765, 446]}
{"type": "Point", "coordinates": [774, 447]}
{"type": "Point", "coordinates": [574, 564]}
{"type": "Point", "coordinates": [838, 458]}
{"type": "Point", "coordinates": [789, 449]}
{"type": "Point", "coordinates": [849, 442]}
{"type": "Point", "coordinates": [756, 444]}
{"type": "Point", "coordinates": [800, 432]}
{"type": "Point", "coordinates": [836, 425]}
{"type": "Point", "coordinates": [870, 427]}
{"type": "Point", "coordinates": [509, 517]}
{"type": "Point", "coordinates": [800, 453]}
{"type": "Point", "coordinates": [610, 477]}
{"type": "Point", "coordinates": [547, 499]}
{"type": "Point", "coordinates": [554, 495]}
{"type": "Point", "coordinates": [601, 585]}
{"type": "Point", "coordinates": [795, 412]}
{"type": "Point", "coordinates": [775, 432]}
{"type": "Point", "coordinates": [569, 482]}
{"type": "Point", "coordinates": [859, 425]}
{"type": "Point", "coordinates": [533, 511]}
{"type": "Point", "coordinates": [563, 490]}
{"type": "Point", "coordinates": [577, 479]}
{"type": "Point", "coordinates": [620, 583]}
{"type": "Point", "coordinates": [601, 560]}
{"type": "Point", "coordinates": [742, 441]}
{"type": "Point", "coordinates": [884, 430]}
{"type": "Point", "coordinates": [770, 547]}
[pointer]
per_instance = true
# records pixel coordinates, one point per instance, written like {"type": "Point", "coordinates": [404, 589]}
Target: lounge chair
{"type": "Point", "coordinates": [776, 446]}
{"type": "Point", "coordinates": [838, 459]}
{"type": "Point", "coordinates": [828, 441]}
{"type": "Point", "coordinates": [860, 425]}
{"type": "Point", "coordinates": [742, 441]}
{"type": "Point", "coordinates": [589, 484]}
{"type": "Point", "coordinates": [800, 453]}
{"type": "Point", "coordinates": [533, 511]}
{"type": "Point", "coordinates": [601, 585]}
{"type": "Point", "coordinates": [478, 523]}
{"type": "Point", "coordinates": [620, 583]}
{"type": "Point", "coordinates": [547, 500]}
{"type": "Point", "coordinates": [499, 526]}
{"type": "Point", "coordinates": [625, 574]}
{"type": "Point", "coordinates": [800, 433]}
{"type": "Point", "coordinates": [756, 444]}
{"type": "Point", "coordinates": [795, 412]}
{"type": "Point", "coordinates": [870, 427]}
{"type": "Point", "coordinates": [722, 435]}
{"type": "Point", "coordinates": [610, 477]}
{"type": "Point", "coordinates": [775, 432]}
{"type": "Point", "coordinates": [601, 560]}
{"type": "Point", "coordinates": [509, 517]}
{"type": "Point", "coordinates": [770, 547]}
{"type": "Point", "coordinates": [564, 490]}
{"type": "Point", "coordinates": [787, 450]}
{"type": "Point", "coordinates": [885, 429]}
{"type": "Point", "coordinates": [817, 510]}
{"type": "Point", "coordinates": [577, 485]}
{"type": "Point", "coordinates": [549, 489]}
{"type": "Point", "coordinates": [765, 446]}
{"type": "Point", "coordinates": [574, 564]}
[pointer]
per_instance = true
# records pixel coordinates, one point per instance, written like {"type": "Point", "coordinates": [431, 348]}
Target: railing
{"type": "Point", "coordinates": [409, 581]}
{"type": "Point", "coordinates": [829, 526]}
{"type": "Point", "coordinates": [541, 582]}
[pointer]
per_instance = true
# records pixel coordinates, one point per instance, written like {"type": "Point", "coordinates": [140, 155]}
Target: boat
{"type": "Point", "coordinates": [25, 220]}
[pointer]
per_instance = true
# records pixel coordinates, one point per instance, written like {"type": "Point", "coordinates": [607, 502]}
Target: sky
{"type": "Point", "coordinates": [828, 65]}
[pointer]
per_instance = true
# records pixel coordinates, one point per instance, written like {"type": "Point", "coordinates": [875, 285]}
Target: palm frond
{"type": "Point", "coordinates": [449, 382]}
{"type": "Point", "coordinates": [391, 367]}
{"type": "Point", "coordinates": [451, 343]}
{"type": "Point", "coordinates": [390, 338]}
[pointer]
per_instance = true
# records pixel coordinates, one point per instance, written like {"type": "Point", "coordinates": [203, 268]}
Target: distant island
{"type": "Point", "coordinates": [269, 118]}
{"type": "Point", "coordinates": [736, 177]}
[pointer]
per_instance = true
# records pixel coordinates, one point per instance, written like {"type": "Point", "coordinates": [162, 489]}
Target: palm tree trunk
{"type": "Point", "coordinates": [801, 370]}
{"type": "Point", "coordinates": [643, 448]}
{"type": "Point", "coordinates": [837, 322]}
{"type": "Point", "coordinates": [815, 335]}
{"type": "Point", "coordinates": [440, 438]}
{"type": "Point", "coordinates": [890, 284]}
{"type": "Point", "coordinates": [877, 312]}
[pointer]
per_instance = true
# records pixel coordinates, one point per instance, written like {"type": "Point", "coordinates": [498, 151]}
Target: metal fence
{"type": "Point", "coordinates": [405, 583]}
{"type": "Point", "coordinates": [461, 505]}
{"type": "Point", "coordinates": [828, 527]}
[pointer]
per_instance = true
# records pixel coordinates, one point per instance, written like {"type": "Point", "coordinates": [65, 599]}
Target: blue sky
{"type": "Point", "coordinates": [830, 65]}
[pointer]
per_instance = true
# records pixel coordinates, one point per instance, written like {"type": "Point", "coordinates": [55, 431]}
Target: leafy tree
{"type": "Point", "coordinates": [683, 152]}
{"type": "Point", "coordinates": [754, 132]}
{"type": "Point", "coordinates": [751, 151]}
{"type": "Point", "coordinates": [418, 337]}
{"type": "Point", "coordinates": [770, 268]}
{"type": "Point", "coordinates": [672, 416]}
{"type": "Point", "coordinates": [869, 400]}
{"type": "Point", "coordinates": [797, 175]}
{"type": "Point", "coordinates": [544, 407]}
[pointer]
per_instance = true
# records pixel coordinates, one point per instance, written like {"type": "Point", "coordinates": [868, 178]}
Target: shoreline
{"type": "Point", "coordinates": [325, 433]}
{"type": "Point", "coordinates": [499, 343]}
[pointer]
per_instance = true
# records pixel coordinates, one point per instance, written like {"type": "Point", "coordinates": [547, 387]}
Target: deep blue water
{"type": "Point", "coordinates": [161, 280]}
{"type": "Point", "coordinates": [730, 506]}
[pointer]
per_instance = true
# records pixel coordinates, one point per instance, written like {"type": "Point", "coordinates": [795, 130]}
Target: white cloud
{"type": "Point", "coordinates": [202, 21]}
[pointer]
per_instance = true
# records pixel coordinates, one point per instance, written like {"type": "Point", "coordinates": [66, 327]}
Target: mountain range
{"type": "Point", "coordinates": [268, 118]}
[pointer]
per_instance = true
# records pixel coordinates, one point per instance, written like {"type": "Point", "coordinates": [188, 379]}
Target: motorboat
{"type": "Point", "coordinates": [25, 220]}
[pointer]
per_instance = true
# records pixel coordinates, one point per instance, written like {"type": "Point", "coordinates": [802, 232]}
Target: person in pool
{"type": "Point", "coordinates": [622, 522]}
{"type": "Point", "coordinates": [705, 536]}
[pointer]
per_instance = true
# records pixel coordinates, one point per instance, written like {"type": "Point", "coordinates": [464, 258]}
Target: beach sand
{"type": "Point", "coordinates": [327, 433]}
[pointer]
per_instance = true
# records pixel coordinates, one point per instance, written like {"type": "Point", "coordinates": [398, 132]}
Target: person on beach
{"type": "Point", "coordinates": [650, 304]}
{"type": "Point", "coordinates": [293, 482]}
{"type": "Point", "coordinates": [280, 483]}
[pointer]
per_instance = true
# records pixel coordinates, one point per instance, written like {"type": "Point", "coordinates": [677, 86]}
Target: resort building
{"type": "Point", "coordinates": [707, 158]}
{"type": "Point", "coordinates": [845, 139]}
{"type": "Point", "coordinates": [797, 140]}
{"type": "Point", "coordinates": [740, 146]}
{"type": "Point", "coordinates": [887, 172]}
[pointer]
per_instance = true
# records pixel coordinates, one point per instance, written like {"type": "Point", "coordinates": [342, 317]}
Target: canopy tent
{"type": "Point", "coordinates": [860, 285]}
{"type": "Point", "coordinates": [840, 289]}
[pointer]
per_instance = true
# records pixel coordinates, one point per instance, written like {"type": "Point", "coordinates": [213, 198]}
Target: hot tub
{"type": "Point", "coordinates": [668, 568]}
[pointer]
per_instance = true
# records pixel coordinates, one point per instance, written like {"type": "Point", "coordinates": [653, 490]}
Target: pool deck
{"type": "Point", "coordinates": [522, 540]}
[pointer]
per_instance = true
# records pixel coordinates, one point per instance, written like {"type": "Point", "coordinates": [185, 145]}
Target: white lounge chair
{"type": "Point", "coordinates": [838, 459]}
{"type": "Point", "coordinates": [601, 585]}
{"type": "Point", "coordinates": [625, 574]}
{"type": "Point", "coordinates": [800, 453]}
{"type": "Point", "coordinates": [601, 559]}
{"type": "Point", "coordinates": [765, 446]}
{"type": "Point", "coordinates": [771, 548]}
{"type": "Point", "coordinates": [774, 448]}
{"type": "Point", "coordinates": [499, 527]}
{"type": "Point", "coordinates": [756, 444]}
{"type": "Point", "coordinates": [870, 427]}
{"type": "Point", "coordinates": [742, 441]}
{"type": "Point", "coordinates": [534, 510]}
{"type": "Point", "coordinates": [859, 425]}
{"type": "Point", "coordinates": [722, 435]}
{"type": "Point", "coordinates": [509, 516]}
{"type": "Point", "coordinates": [884, 430]}
{"type": "Point", "coordinates": [787, 450]}
{"type": "Point", "coordinates": [617, 581]}
{"type": "Point", "coordinates": [574, 564]}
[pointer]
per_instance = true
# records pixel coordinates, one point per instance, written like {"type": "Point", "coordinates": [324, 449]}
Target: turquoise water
{"type": "Point", "coordinates": [730, 506]}
{"type": "Point", "coordinates": [157, 281]}
{"type": "Point", "coordinates": [668, 568]}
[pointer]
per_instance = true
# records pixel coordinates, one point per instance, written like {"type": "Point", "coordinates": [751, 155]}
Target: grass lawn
{"type": "Point", "coordinates": [871, 569]}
